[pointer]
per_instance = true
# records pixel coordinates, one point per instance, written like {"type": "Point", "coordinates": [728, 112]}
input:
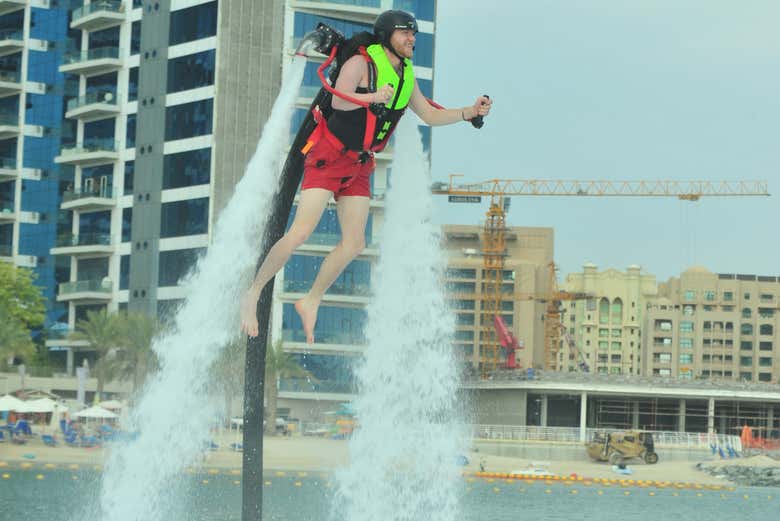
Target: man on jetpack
{"type": "Point", "coordinates": [372, 89]}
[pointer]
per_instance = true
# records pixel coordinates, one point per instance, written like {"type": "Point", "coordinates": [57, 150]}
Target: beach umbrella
{"type": "Point", "coordinates": [10, 403]}
{"type": "Point", "coordinates": [112, 405]}
{"type": "Point", "coordinates": [96, 412]}
{"type": "Point", "coordinates": [41, 405]}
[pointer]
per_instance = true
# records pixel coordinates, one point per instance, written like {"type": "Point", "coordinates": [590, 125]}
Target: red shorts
{"type": "Point", "coordinates": [340, 172]}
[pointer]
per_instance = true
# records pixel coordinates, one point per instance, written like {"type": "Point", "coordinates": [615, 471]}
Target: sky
{"type": "Point", "coordinates": [617, 90]}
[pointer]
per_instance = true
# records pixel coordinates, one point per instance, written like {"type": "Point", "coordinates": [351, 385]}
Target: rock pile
{"type": "Point", "coordinates": [758, 471]}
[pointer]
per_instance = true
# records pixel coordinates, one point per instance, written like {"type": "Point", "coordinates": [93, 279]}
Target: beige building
{"type": "Point", "coordinates": [718, 326]}
{"type": "Point", "coordinates": [605, 329]}
{"type": "Point", "coordinates": [529, 251]}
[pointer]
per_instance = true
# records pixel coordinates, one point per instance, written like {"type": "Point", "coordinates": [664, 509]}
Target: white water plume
{"type": "Point", "coordinates": [403, 455]}
{"type": "Point", "coordinates": [174, 413]}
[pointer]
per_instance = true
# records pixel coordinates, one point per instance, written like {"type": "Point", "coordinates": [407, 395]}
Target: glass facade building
{"type": "Point", "coordinates": [339, 336]}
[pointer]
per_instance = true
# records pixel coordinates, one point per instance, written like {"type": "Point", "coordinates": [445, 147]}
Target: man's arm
{"type": "Point", "coordinates": [434, 117]}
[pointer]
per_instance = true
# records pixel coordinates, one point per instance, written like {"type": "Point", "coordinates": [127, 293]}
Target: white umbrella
{"type": "Point", "coordinates": [96, 412]}
{"type": "Point", "coordinates": [10, 403]}
{"type": "Point", "coordinates": [112, 405]}
{"type": "Point", "coordinates": [41, 405]}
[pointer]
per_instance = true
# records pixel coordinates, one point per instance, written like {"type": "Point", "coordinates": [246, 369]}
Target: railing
{"type": "Point", "coordinates": [9, 120]}
{"type": "Point", "coordinates": [112, 6]}
{"type": "Point", "coordinates": [58, 334]}
{"type": "Point", "coordinates": [106, 192]}
{"type": "Point", "coordinates": [107, 96]}
{"type": "Point", "coordinates": [91, 54]}
{"type": "Point", "coordinates": [80, 286]}
{"type": "Point", "coordinates": [11, 34]}
{"type": "Point", "coordinates": [6, 207]}
{"type": "Point", "coordinates": [7, 163]}
{"type": "Point", "coordinates": [341, 338]}
{"type": "Point", "coordinates": [667, 439]}
{"type": "Point", "coordinates": [302, 385]}
{"type": "Point", "coordinates": [10, 76]}
{"type": "Point", "coordinates": [92, 145]}
{"type": "Point", "coordinates": [84, 239]}
{"type": "Point", "coordinates": [360, 290]}
{"type": "Point", "coordinates": [6, 250]}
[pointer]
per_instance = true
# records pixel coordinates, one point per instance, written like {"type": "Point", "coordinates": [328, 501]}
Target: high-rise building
{"type": "Point", "coordinates": [606, 328]}
{"type": "Point", "coordinates": [714, 326]}
{"type": "Point", "coordinates": [338, 334]}
{"type": "Point", "coordinates": [163, 105]}
{"type": "Point", "coordinates": [529, 253]}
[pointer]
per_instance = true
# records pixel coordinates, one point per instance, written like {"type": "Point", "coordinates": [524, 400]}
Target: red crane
{"type": "Point", "coordinates": [507, 341]}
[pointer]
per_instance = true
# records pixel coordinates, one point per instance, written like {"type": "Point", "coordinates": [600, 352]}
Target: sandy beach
{"type": "Point", "coordinates": [323, 455]}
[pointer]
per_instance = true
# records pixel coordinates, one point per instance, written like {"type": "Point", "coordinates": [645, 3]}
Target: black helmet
{"type": "Point", "coordinates": [389, 21]}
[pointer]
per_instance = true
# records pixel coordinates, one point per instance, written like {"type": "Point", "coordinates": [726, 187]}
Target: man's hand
{"type": "Point", "coordinates": [481, 107]}
{"type": "Point", "coordinates": [384, 94]}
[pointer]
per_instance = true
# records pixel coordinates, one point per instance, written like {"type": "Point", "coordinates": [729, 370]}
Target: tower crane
{"type": "Point", "coordinates": [494, 245]}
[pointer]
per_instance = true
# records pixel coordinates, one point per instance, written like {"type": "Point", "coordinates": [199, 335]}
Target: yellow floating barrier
{"type": "Point", "coordinates": [50, 466]}
{"type": "Point", "coordinates": [39, 477]}
{"type": "Point", "coordinates": [280, 474]}
{"type": "Point", "coordinates": [3, 464]}
{"type": "Point", "coordinates": [235, 472]}
{"type": "Point", "coordinates": [213, 471]}
{"type": "Point", "coordinates": [298, 483]}
{"type": "Point", "coordinates": [496, 490]}
{"type": "Point", "coordinates": [302, 474]}
{"type": "Point", "coordinates": [6, 476]}
{"type": "Point", "coordinates": [73, 466]}
{"type": "Point", "coordinates": [236, 482]}
{"type": "Point", "coordinates": [267, 483]}
{"type": "Point", "coordinates": [205, 482]}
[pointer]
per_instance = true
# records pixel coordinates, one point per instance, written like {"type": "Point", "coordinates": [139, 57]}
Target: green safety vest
{"type": "Point", "coordinates": [403, 86]}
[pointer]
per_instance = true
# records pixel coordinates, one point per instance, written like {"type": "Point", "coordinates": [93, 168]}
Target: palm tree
{"type": "Point", "coordinates": [136, 359]}
{"type": "Point", "coordinates": [278, 364]}
{"type": "Point", "coordinates": [14, 339]}
{"type": "Point", "coordinates": [101, 331]}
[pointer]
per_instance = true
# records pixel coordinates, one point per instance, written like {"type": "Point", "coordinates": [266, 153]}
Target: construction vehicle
{"type": "Point", "coordinates": [494, 246]}
{"type": "Point", "coordinates": [508, 341]}
{"type": "Point", "coordinates": [617, 447]}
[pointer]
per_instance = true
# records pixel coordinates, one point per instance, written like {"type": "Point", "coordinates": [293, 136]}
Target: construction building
{"type": "Point", "coordinates": [529, 252]}
{"type": "Point", "coordinates": [607, 327]}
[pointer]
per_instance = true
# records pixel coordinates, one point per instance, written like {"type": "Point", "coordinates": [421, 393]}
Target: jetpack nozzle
{"type": "Point", "coordinates": [322, 39]}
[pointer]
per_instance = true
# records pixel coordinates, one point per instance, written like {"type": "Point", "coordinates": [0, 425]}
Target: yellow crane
{"type": "Point", "coordinates": [494, 246]}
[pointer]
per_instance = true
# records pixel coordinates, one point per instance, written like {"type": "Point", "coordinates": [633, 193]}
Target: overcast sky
{"type": "Point", "coordinates": [616, 89]}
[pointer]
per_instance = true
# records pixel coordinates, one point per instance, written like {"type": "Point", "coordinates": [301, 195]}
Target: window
{"type": "Point", "coordinates": [766, 297]}
{"type": "Point", "coordinates": [617, 346]}
{"type": "Point", "coordinates": [686, 327]}
{"type": "Point", "coordinates": [130, 134]}
{"type": "Point", "coordinates": [764, 377]}
{"type": "Point", "coordinates": [665, 358]}
{"type": "Point", "coordinates": [614, 370]}
{"type": "Point", "coordinates": [727, 308]}
{"type": "Point", "coordinates": [765, 361]}
{"type": "Point", "coordinates": [189, 168]}
{"type": "Point", "coordinates": [617, 333]}
{"type": "Point", "coordinates": [747, 296]}
{"type": "Point", "coordinates": [664, 372]}
{"type": "Point", "coordinates": [746, 345]}
{"type": "Point", "coordinates": [746, 376]}
{"type": "Point", "coordinates": [685, 374]}
{"type": "Point", "coordinates": [191, 71]}
{"type": "Point", "coordinates": [193, 23]}
{"type": "Point", "coordinates": [124, 272]}
{"type": "Point", "coordinates": [127, 223]}
{"type": "Point", "coordinates": [746, 313]}
{"type": "Point", "coordinates": [728, 295]}
{"type": "Point", "coordinates": [189, 217]}
{"type": "Point", "coordinates": [746, 329]}
{"type": "Point", "coordinates": [464, 335]}
{"type": "Point", "coordinates": [189, 119]}
{"type": "Point", "coordinates": [689, 295]}
{"type": "Point", "coordinates": [765, 346]}
{"type": "Point", "coordinates": [461, 273]}
{"type": "Point", "coordinates": [688, 310]}
{"type": "Point", "coordinates": [686, 343]}
{"type": "Point", "coordinates": [746, 361]}
{"type": "Point", "coordinates": [686, 358]}
{"type": "Point", "coordinates": [462, 304]}
{"type": "Point", "coordinates": [709, 295]}
{"type": "Point", "coordinates": [175, 264]}
{"type": "Point", "coordinates": [603, 332]}
{"type": "Point", "coordinates": [135, 38]}
{"type": "Point", "coordinates": [129, 173]}
{"type": "Point", "coordinates": [766, 329]}
{"type": "Point", "coordinates": [603, 344]}
{"type": "Point", "coordinates": [604, 311]}
{"type": "Point", "coordinates": [132, 84]}
{"type": "Point", "coordinates": [464, 319]}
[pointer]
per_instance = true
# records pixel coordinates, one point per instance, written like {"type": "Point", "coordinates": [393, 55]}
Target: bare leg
{"type": "Point", "coordinates": [310, 207]}
{"type": "Point", "coordinates": [353, 214]}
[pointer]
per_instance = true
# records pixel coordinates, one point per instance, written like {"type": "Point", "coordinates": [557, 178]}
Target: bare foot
{"type": "Point", "coordinates": [307, 308]}
{"type": "Point", "coordinates": [249, 314]}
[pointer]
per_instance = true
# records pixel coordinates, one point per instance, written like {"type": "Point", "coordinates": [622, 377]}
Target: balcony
{"type": "Point", "coordinates": [10, 83]}
{"type": "Point", "coordinates": [100, 14]}
{"type": "Point", "coordinates": [9, 125]}
{"type": "Point", "coordinates": [101, 198]}
{"type": "Point", "coordinates": [89, 153]}
{"type": "Point", "coordinates": [7, 169]}
{"type": "Point", "coordinates": [61, 338]}
{"type": "Point", "coordinates": [361, 11]}
{"type": "Point", "coordinates": [7, 212]}
{"type": "Point", "coordinates": [324, 242]}
{"type": "Point", "coordinates": [356, 294]}
{"type": "Point", "coordinates": [94, 105]}
{"type": "Point", "coordinates": [93, 244]}
{"type": "Point", "coordinates": [9, 6]}
{"type": "Point", "coordinates": [93, 290]}
{"type": "Point", "coordinates": [11, 41]}
{"type": "Point", "coordinates": [94, 61]}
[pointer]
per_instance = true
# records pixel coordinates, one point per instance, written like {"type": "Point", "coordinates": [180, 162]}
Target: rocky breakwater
{"type": "Point", "coordinates": [756, 471]}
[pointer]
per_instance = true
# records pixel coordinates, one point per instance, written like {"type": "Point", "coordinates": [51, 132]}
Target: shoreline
{"type": "Point", "coordinates": [304, 455]}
